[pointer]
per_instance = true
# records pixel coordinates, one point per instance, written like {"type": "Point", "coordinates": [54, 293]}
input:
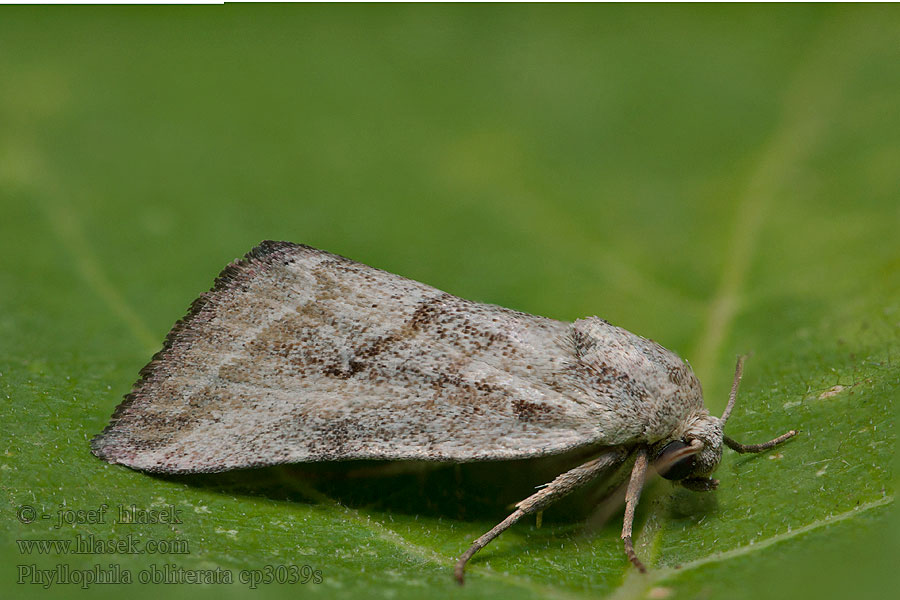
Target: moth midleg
{"type": "Point", "coordinates": [635, 484]}
{"type": "Point", "coordinates": [553, 491]}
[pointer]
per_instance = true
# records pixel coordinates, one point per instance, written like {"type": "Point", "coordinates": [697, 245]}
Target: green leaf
{"type": "Point", "coordinates": [721, 179]}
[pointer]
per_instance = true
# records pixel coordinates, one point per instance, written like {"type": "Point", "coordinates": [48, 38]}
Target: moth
{"type": "Point", "coordinates": [300, 355]}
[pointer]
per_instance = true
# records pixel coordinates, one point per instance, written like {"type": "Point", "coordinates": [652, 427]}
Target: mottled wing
{"type": "Point", "coordinates": [301, 355]}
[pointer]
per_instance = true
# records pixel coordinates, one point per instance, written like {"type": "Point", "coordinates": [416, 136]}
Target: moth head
{"type": "Point", "coordinates": [692, 459]}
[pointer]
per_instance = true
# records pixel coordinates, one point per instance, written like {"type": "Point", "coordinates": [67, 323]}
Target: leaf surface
{"type": "Point", "coordinates": [721, 179]}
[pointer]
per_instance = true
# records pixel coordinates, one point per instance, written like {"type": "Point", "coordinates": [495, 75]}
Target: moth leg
{"type": "Point", "coordinates": [553, 491]}
{"type": "Point", "coordinates": [635, 484]}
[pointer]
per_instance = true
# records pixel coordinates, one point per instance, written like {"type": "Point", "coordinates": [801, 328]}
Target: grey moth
{"type": "Point", "coordinates": [300, 355]}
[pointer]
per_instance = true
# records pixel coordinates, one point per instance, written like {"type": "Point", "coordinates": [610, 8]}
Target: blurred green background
{"type": "Point", "coordinates": [723, 179]}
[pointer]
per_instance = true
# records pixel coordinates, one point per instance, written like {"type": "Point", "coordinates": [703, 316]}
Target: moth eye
{"type": "Point", "coordinates": [682, 467]}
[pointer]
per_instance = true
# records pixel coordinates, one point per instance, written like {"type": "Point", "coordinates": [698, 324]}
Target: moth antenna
{"type": "Point", "coordinates": [745, 448]}
{"type": "Point", "coordinates": [738, 373]}
{"type": "Point", "coordinates": [735, 445]}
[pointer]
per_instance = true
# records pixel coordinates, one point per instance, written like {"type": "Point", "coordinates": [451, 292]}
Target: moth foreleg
{"type": "Point", "coordinates": [635, 484]}
{"type": "Point", "coordinates": [553, 491]}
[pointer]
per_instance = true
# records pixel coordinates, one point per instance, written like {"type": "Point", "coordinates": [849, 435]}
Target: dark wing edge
{"type": "Point", "coordinates": [234, 275]}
